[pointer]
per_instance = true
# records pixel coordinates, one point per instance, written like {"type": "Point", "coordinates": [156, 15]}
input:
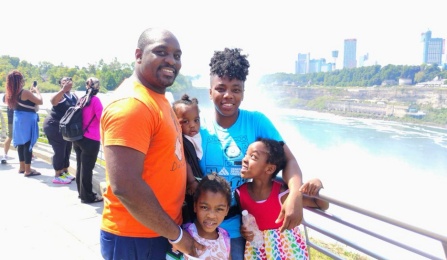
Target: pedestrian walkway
{"type": "Point", "coordinates": [42, 220]}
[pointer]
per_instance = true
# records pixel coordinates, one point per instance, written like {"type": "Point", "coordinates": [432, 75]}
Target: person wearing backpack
{"type": "Point", "coordinates": [61, 101]}
{"type": "Point", "coordinates": [87, 148]}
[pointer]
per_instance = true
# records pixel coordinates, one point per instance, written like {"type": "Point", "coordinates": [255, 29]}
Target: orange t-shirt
{"type": "Point", "coordinates": [144, 120]}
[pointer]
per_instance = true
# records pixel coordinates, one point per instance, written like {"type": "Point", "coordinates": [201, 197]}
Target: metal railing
{"type": "Point", "coordinates": [367, 234]}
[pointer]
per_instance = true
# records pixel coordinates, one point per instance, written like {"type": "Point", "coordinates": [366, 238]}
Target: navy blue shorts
{"type": "Point", "coordinates": [129, 248]}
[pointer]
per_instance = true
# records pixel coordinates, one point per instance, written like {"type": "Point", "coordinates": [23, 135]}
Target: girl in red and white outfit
{"type": "Point", "coordinates": [263, 198]}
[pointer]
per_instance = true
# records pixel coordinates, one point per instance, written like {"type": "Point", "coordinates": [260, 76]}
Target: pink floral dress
{"type": "Point", "coordinates": [216, 249]}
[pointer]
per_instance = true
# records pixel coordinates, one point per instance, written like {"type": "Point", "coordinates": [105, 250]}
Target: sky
{"type": "Point", "coordinates": [271, 33]}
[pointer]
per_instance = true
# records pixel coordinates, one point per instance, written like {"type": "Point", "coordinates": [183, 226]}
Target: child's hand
{"type": "Point", "coordinates": [247, 235]}
{"type": "Point", "coordinates": [312, 187]}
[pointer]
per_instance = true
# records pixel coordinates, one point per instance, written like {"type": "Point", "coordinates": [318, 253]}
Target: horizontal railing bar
{"type": "Point", "coordinates": [371, 233]}
{"type": "Point", "coordinates": [388, 220]}
{"type": "Point", "coordinates": [341, 239]}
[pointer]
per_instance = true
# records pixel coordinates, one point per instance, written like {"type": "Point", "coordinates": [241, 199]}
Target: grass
{"type": "Point", "coordinates": [336, 248]}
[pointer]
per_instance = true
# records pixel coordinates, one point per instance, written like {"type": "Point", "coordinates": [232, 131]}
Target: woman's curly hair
{"type": "Point", "coordinates": [14, 82]}
{"type": "Point", "coordinates": [230, 63]}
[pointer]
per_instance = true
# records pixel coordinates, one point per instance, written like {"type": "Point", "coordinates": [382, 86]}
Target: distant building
{"type": "Point", "coordinates": [405, 82]}
{"type": "Point", "coordinates": [432, 49]}
{"type": "Point", "coordinates": [327, 67]}
{"type": "Point", "coordinates": [302, 64]}
{"type": "Point", "coordinates": [319, 66]}
{"type": "Point", "coordinates": [350, 53]}
{"type": "Point", "coordinates": [306, 65]}
{"type": "Point", "coordinates": [389, 82]}
{"type": "Point", "coordinates": [363, 59]}
{"type": "Point", "coordinates": [335, 56]}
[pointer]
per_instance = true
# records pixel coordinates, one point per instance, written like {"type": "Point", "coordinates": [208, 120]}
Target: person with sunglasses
{"type": "Point", "coordinates": [60, 102]}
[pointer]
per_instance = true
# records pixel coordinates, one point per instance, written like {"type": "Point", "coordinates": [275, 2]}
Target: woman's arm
{"type": "Point", "coordinates": [56, 98]}
{"type": "Point", "coordinates": [292, 208]}
{"type": "Point", "coordinates": [35, 98]}
{"type": "Point", "coordinates": [311, 189]}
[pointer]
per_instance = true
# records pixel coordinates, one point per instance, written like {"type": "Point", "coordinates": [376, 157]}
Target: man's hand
{"type": "Point", "coordinates": [291, 211]}
{"type": "Point", "coordinates": [189, 246]}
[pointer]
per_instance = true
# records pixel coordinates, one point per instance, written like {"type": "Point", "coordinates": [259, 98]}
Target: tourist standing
{"type": "Point", "coordinates": [7, 144]}
{"type": "Point", "coordinates": [145, 166]}
{"type": "Point", "coordinates": [26, 130]}
{"type": "Point", "coordinates": [60, 102]}
{"type": "Point", "coordinates": [87, 148]}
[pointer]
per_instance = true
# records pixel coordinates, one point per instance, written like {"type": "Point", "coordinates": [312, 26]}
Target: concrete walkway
{"type": "Point", "coordinates": [42, 220]}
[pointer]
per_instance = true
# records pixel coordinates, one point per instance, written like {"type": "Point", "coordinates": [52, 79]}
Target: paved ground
{"type": "Point", "coordinates": [42, 220]}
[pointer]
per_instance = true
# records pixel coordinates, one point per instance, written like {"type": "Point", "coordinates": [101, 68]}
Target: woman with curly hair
{"type": "Point", "coordinates": [228, 132]}
{"type": "Point", "coordinates": [25, 128]}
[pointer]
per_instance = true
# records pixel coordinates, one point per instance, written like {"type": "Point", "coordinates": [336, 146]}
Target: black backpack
{"type": "Point", "coordinates": [70, 125]}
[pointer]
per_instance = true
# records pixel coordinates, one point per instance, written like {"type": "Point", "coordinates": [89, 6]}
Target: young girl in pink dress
{"type": "Point", "coordinates": [211, 204]}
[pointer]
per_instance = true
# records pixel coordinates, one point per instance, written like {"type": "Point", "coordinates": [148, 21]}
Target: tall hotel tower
{"type": "Point", "coordinates": [432, 49]}
{"type": "Point", "coordinates": [349, 54]}
{"type": "Point", "coordinates": [302, 64]}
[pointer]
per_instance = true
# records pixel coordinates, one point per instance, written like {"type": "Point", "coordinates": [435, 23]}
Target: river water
{"type": "Point", "coordinates": [391, 168]}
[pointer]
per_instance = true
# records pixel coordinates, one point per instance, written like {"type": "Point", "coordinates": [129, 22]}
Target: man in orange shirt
{"type": "Point", "coordinates": [145, 166]}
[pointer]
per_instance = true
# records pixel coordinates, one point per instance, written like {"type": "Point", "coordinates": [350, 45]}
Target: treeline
{"type": "Point", "coordinates": [112, 74]}
{"type": "Point", "coordinates": [361, 77]}
{"type": "Point", "coordinates": [48, 75]}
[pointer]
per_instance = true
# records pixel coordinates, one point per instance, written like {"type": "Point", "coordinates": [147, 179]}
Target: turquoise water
{"type": "Point", "coordinates": [387, 165]}
{"type": "Point", "coordinates": [395, 170]}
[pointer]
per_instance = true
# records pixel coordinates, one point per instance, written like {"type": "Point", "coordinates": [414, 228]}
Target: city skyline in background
{"type": "Point", "coordinates": [432, 52]}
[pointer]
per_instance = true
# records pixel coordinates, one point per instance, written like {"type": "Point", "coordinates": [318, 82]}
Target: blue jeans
{"type": "Point", "coordinates": [132, 248]}
{"type": "Point", "coordinates": [237, 248]}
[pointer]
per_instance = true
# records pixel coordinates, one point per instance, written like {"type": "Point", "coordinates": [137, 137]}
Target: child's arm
{"type": "Point", "coordinates": [191, 181]}
{"type": "Point", "coordinates": [312, 188]}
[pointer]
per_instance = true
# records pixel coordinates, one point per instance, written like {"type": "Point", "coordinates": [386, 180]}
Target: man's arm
{"type": "Point", "coordinates": [292, 208]}
{"type": "Point", "coordinates": [124, 167]}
